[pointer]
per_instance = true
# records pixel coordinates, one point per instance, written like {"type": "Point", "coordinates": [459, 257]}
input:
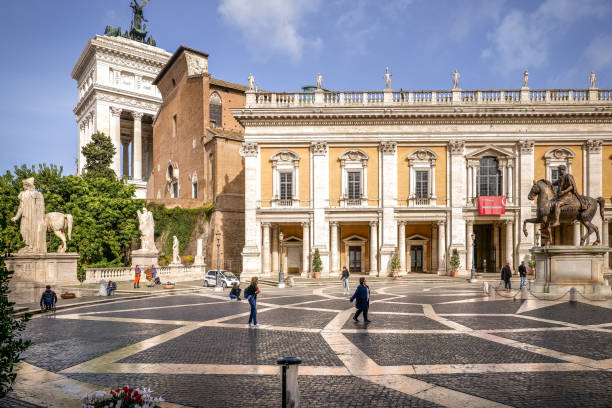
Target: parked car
{"type": "Point", "coordinates": [226, 278]}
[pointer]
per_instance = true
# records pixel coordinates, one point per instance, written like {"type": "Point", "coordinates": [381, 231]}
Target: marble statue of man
{"type": "Point", "coordinates": [387, 78]}
{"type": "Point", "coordinates": [32, 213]}
{"type": "Point", "coordinates": [319, 81]}
{"type": "Point", "coordinates": [525, 78]}
{"type": "Point", "coordinates": [455, 79]}
{"type": "Point", "coordinates": [592, 79]}
{"type": "Point", "coordinates": [176, 259]}
{"type": "Point", "coordinates": [251, 82]}
{"type": "Point", "coordinates": [147, 229]}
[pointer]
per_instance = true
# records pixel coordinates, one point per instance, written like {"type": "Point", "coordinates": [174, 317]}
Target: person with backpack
{"type": "Point", "coordinates": [48, 298]}
{"type": "Point", "coordinates": [251, 294]}
{"type": "Point", "coordinates": [362, 294]}
{"type": "Point", "coordinates": [523, 273]}
{"type": "Point", "coordinates": [345, 280]}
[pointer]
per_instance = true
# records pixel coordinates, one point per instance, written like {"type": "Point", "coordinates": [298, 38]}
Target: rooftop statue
{"type": "Point", "coordinates": [138, 30]}
{"type": "Point", "coordinates": [455, 79]}
{"type": "Point", "coordinates": [387, 78]}
{"type": "Point", "coordinates": [251, 82]}
{"type": "Point", "coordinates": [319, 81]}
{"type": "Point", "coordinates": [592, 80]}
{"type": "Point", "coordinates": [565, 206]}
{"type": "Point", "coordinates": [525, 78]}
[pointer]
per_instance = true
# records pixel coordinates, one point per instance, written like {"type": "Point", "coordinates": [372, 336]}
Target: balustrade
{"type": "Point", "coordinates": [455, 97]}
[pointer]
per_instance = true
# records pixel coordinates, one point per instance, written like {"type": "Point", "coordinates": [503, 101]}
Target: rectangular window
{"type": "Point", "coordinates": [354, 184]}
{"type": "Point", "coordinates": [422, 184]}
{"type": "Point", "coordinates": [215, 115]}
{"type": "Point", "coordinates": [174, 126]}
{"type": "Point", "coordinates": [194, 193]}
{"type": "Point", "coordinates": [286, 185]}
{"type": "Point", "coordinates": [174, 190]}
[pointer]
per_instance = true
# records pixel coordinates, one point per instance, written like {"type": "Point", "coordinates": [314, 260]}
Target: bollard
{"type": "Point", "coordinates": [289, 383]}
{"type": "Point", "coordinates": [492, 291]}
{"type": "Point", "coordinates": [573, 294]}
{"type": "Point", "coordinates": [485, 287]}
{"type": "Point", "coordinates": [102, 288]}
{"type": "Point", "coordinates": [524, 293]}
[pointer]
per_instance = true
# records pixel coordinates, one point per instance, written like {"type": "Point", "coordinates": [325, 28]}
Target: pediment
{"type": "Point", "coordinates": [559, 153]}
{"type": "Point", "coordinates": [285, 156]}
{"type": "Point", "coordinates": [355, 238]}
{"type": "Point", "coordinates": [292, 238]}
{"type": "Point", "coordinates": [490, 150]}
{"type": "Point", "coordinates": [417, 237]}
{"type": "Point", "coordinates": [354, 155]}
{"type": "Point", "coordinates": [422, 154]}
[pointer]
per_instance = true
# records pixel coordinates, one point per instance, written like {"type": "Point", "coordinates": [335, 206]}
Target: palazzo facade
{"type": "Point", "coordinates": [360, 175]}
{"type": "Point", "coordinates": [116, 96]}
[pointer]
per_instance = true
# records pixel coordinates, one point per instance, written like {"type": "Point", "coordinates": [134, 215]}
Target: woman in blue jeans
{"type": "Point", "coordinates": [251, 294]}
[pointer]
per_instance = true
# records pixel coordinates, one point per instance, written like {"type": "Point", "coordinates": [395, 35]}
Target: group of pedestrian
{"type": "Point", "coordinates": [150, 274]}
{"type": "Point", "coordinates": [506, 275]}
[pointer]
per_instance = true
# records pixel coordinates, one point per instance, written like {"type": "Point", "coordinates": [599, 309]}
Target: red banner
{"type": "Point", "coordinates": [491, 205]}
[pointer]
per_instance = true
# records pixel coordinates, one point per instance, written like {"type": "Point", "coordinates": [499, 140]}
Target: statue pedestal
{"type": "Point", "coordinates": [144, 257]}
{"type": "Point", "coordinates": [48, 268]}
{"type": "Point", "coordinates": [561, 267]}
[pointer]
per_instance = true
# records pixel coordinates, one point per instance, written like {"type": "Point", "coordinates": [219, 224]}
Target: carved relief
{"type": "Point", "coordinates": [423, 155]}
{"type": "Point", "coordinates": [388, 147]}
{"type": "Point", "coordinates": [559, 154]}
{"type": "Point", "coordinates": [319, 148]}
{"type": "Point", "coordinates": [248, 149]}
{"type": "Point", "coordinates": [196, 65]}
{"type": "Point", "coordinates": [285, 156]}
{"type": "Point", "coordinates": [456, 146]}
{"type": "Point", "coordinates": [354, 155]}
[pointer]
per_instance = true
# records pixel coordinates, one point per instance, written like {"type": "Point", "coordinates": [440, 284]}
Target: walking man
{"type": "Point", "coordinates": [362, 294]}
{"type": "Point", "coordinates": [345, 278]}
{"type": "Point", "coordinates": [523, 273]}
{"type": "Point", "coordinates": [506, 275]}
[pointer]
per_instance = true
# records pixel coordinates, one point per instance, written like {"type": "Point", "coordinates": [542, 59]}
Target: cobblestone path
{"type": "Point", "coordinates": [428, 345]}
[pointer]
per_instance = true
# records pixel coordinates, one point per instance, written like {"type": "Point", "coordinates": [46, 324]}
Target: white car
{"type": "Point", "coordinates": [226, 278]}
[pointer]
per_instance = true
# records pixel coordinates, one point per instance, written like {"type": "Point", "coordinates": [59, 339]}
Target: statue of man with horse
{"type": "Point", "coordinates": [565, 206]}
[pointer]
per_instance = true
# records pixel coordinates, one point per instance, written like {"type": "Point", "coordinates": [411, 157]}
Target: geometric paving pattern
{"type": "Point", "coordinates": [430, 344]}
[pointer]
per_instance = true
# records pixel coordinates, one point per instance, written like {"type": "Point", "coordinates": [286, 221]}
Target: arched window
{"type": "Point", "coordinates": [215, 110]}
{"type": "Point", "coordinates": [489, 177]}
{"type": "Point", "coordinates": [172, 180]}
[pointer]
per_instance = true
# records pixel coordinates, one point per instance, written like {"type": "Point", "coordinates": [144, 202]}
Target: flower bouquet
{"type": "Point", "coordinates": [169, 285]}
{"type": "Point", "coordinates": [67, 295]}
{"type": "Point", "coordinates": [125, 397]}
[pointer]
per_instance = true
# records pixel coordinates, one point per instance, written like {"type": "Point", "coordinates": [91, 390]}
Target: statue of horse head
{"type": "Point", "coordinates": [541, 186]}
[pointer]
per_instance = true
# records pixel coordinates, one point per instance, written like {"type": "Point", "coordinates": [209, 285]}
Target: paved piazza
{"type": "Point", "coordinates": [429, 345]}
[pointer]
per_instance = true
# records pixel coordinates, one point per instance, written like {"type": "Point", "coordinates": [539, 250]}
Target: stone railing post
{"type": "Point", "coordinates": [456, 96]}
{"type": "Point", "coordinates": [250, 98]}
{"type": "Point", "coordinates": [319, 97]}
{"type": "Point", "coordinates": [341, 99]}
{"type": "Point", "coordinates": [525, 95]}
{"type": "Point", "coordinates": [387, 97]}
{"type": "Point", "coordinates": [593, 95]}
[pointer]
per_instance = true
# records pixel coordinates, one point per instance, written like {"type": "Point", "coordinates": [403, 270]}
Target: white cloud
{"type": "Point", "coordinates": [598, 54]}
{"type": "Point", "coordinates": [272, 26]}
{"type": "Point", "coordinates": [523, 39]}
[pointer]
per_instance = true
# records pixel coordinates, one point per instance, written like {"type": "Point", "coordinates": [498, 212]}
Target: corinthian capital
{"type": "Point", "coordinates": [526, 146]}
{"type": "Point", "coordinates": [248, 149]}
{"type": "Point", "coordinates": [319, 148]}
{"type": "Point", "coordinates": [593, 146]}
{"type": "Point", "coordinates": [137, 116]}
{"type": "Point", "coordinates": [116, 111]}
{"type": "Point", "coordinates": [456, 146]}
{"type": "Point", "coordinates": [388, 147]}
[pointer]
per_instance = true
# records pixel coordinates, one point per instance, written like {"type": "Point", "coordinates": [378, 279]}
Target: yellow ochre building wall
{"type": "Point", "coordinates": [539, 170]}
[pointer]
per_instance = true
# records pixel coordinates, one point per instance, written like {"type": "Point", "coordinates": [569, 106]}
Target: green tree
{"type": "Point", "coordinates": [455, 262]}
{"type": "Point", "coordinates": [395, 261]}
{"type": "Point", "coordinates": [99, 156]}
{"type": "Point", "coordinates": [317, 265]}
{"type": "Point", "coordinates": [11, 342]}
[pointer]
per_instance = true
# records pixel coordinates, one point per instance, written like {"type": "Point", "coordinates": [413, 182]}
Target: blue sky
{"type": "Point", "coordinates": [285, 43]}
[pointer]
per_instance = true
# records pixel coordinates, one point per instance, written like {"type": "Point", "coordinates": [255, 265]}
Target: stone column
{"type": "Point", "coordinates": [115, 135]}
{"type": "Point", "coordinates": [275, 259]}
{"type": "Point", "coordinates": [305, 249]}
{"type": "Point", "coordinates": [469, 248]}
{"type": "Point", "coordinates": [126, 159]}
{"type": "Point", "coordinates": [388, 233]}
{"type": "Point", "coordinates": [373, 248]}
{"type": "Point", "coordinates": [593, 170]}
{"type": "Point", "coordinates": [509, 244]}
{"type": "Point", "coordinates": [137, 155]}
{"type": "Point", "coordinates": [81, 144]}
{"type": "Point", "coordinates": [250, 253]}
{"type": "Point", "coordinates": [441, 248]}
{"type": "Point", "coordinates": [525, 176]}
{"type": "Point", "coordinates": [320, 201]}
{"type": "Point", "coordinates": [605, 240]}
{"type": "Point", "coordinates": [457, 199]}
{"type": "Point", "coordinates": [434, 249]}
{"type": "Point", "coordinates": [265, 249]}
{"type": "Point", "coordinates": [335, 255]}
{"type": "Point", "coordinates": [576, 230]}
{"type": "Point", "coordinates": [497, 246]}
{"type": "Point", "coordinates": [401, 225]}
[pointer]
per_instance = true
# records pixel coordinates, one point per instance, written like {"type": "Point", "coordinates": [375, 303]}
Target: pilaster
{"type": "Point", "coordinates": [389, 202]}
{"type": "Point", "coordinates": [525, 173]}
{"type": "Point", "coordinates": [593, 171]}
{"type": "Point", "coordinates": [251, 261]}
{"type": "Point", "coordinates": [320, 201]}
{"type": "Point", "coordinates": [458, 199]}
{"type": "Point", "coordinates": [115, 135]}
{"type": "Point", "coordinates": [137, 156]}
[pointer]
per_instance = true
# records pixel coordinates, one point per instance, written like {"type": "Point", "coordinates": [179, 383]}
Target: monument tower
{"type": "Point", "coordinates": [116, 96]}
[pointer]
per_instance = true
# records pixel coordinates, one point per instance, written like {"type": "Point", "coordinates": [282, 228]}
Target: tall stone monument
{"type": "Point", "coordinates": [32, 265]}
{"type": "Point", "coordinates": [148, 253]}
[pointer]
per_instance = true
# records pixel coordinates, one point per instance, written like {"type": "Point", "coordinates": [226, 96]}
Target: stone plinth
{"type": "Point", "coordinates": [144, 257]}
{"type": "Point", "coordinates": [559, 268]}
{"type": "Point", "coordinates": [48, 268]}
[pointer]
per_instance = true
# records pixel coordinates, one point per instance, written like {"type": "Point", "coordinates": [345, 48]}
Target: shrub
{"type": "Point", "coordinates": [455, 262]}
{"type": "Point", "coordinates": [317, 265]}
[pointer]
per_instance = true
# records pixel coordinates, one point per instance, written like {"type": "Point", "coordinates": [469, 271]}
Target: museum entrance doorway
{"type": "Point", "coordinates": [484, 250]}
{"type": "Point", "coordinates": [355, 259]}
{"type": "Point", "coordinates": [416, 258]}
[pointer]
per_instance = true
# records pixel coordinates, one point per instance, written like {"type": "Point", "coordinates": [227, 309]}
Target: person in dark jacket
{"type": "Point", "coordinates": [523, 273]}
{"type": "Point", "coordinates": [506, 274]}
{"type": "Point", "coordinates": [251, 294]}
{"type": "Point", "coordinates": [362, 295]}
{"type": "Point", "coordinates": [345, 280]}
{"type": "Point", "coordinates": [235, 292]}
{"type": "Point", "coordinates": [48, 298]}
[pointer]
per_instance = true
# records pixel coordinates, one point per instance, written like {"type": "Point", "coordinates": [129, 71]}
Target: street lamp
{"type": "Point", "coordinates": [217, 282]}
{"type": "Point", "coordinates": [281, 275]}
{"type": "Point", "coordinates": [473, 238]}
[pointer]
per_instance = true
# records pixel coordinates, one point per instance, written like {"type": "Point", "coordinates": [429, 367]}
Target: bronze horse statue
{"type": "Point", "coordinates": [543, 190]}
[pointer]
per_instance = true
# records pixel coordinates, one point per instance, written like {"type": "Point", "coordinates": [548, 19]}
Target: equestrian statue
{"type": "Point", "coordinates": [564, 206]}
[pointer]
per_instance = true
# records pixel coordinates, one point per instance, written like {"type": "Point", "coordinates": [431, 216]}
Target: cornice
{"type": "Point", "coordinates": [110, 94]}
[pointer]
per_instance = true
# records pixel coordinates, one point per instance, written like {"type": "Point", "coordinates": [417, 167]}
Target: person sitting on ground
{"type": "Point", "coordinates": [110, 288]}
{"type": "Point", "coordinates": [235, 292]}
{"type": "Point", "coordinates": [155, 278]}
{"type": "Point", "coordinates": [48, 298]}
